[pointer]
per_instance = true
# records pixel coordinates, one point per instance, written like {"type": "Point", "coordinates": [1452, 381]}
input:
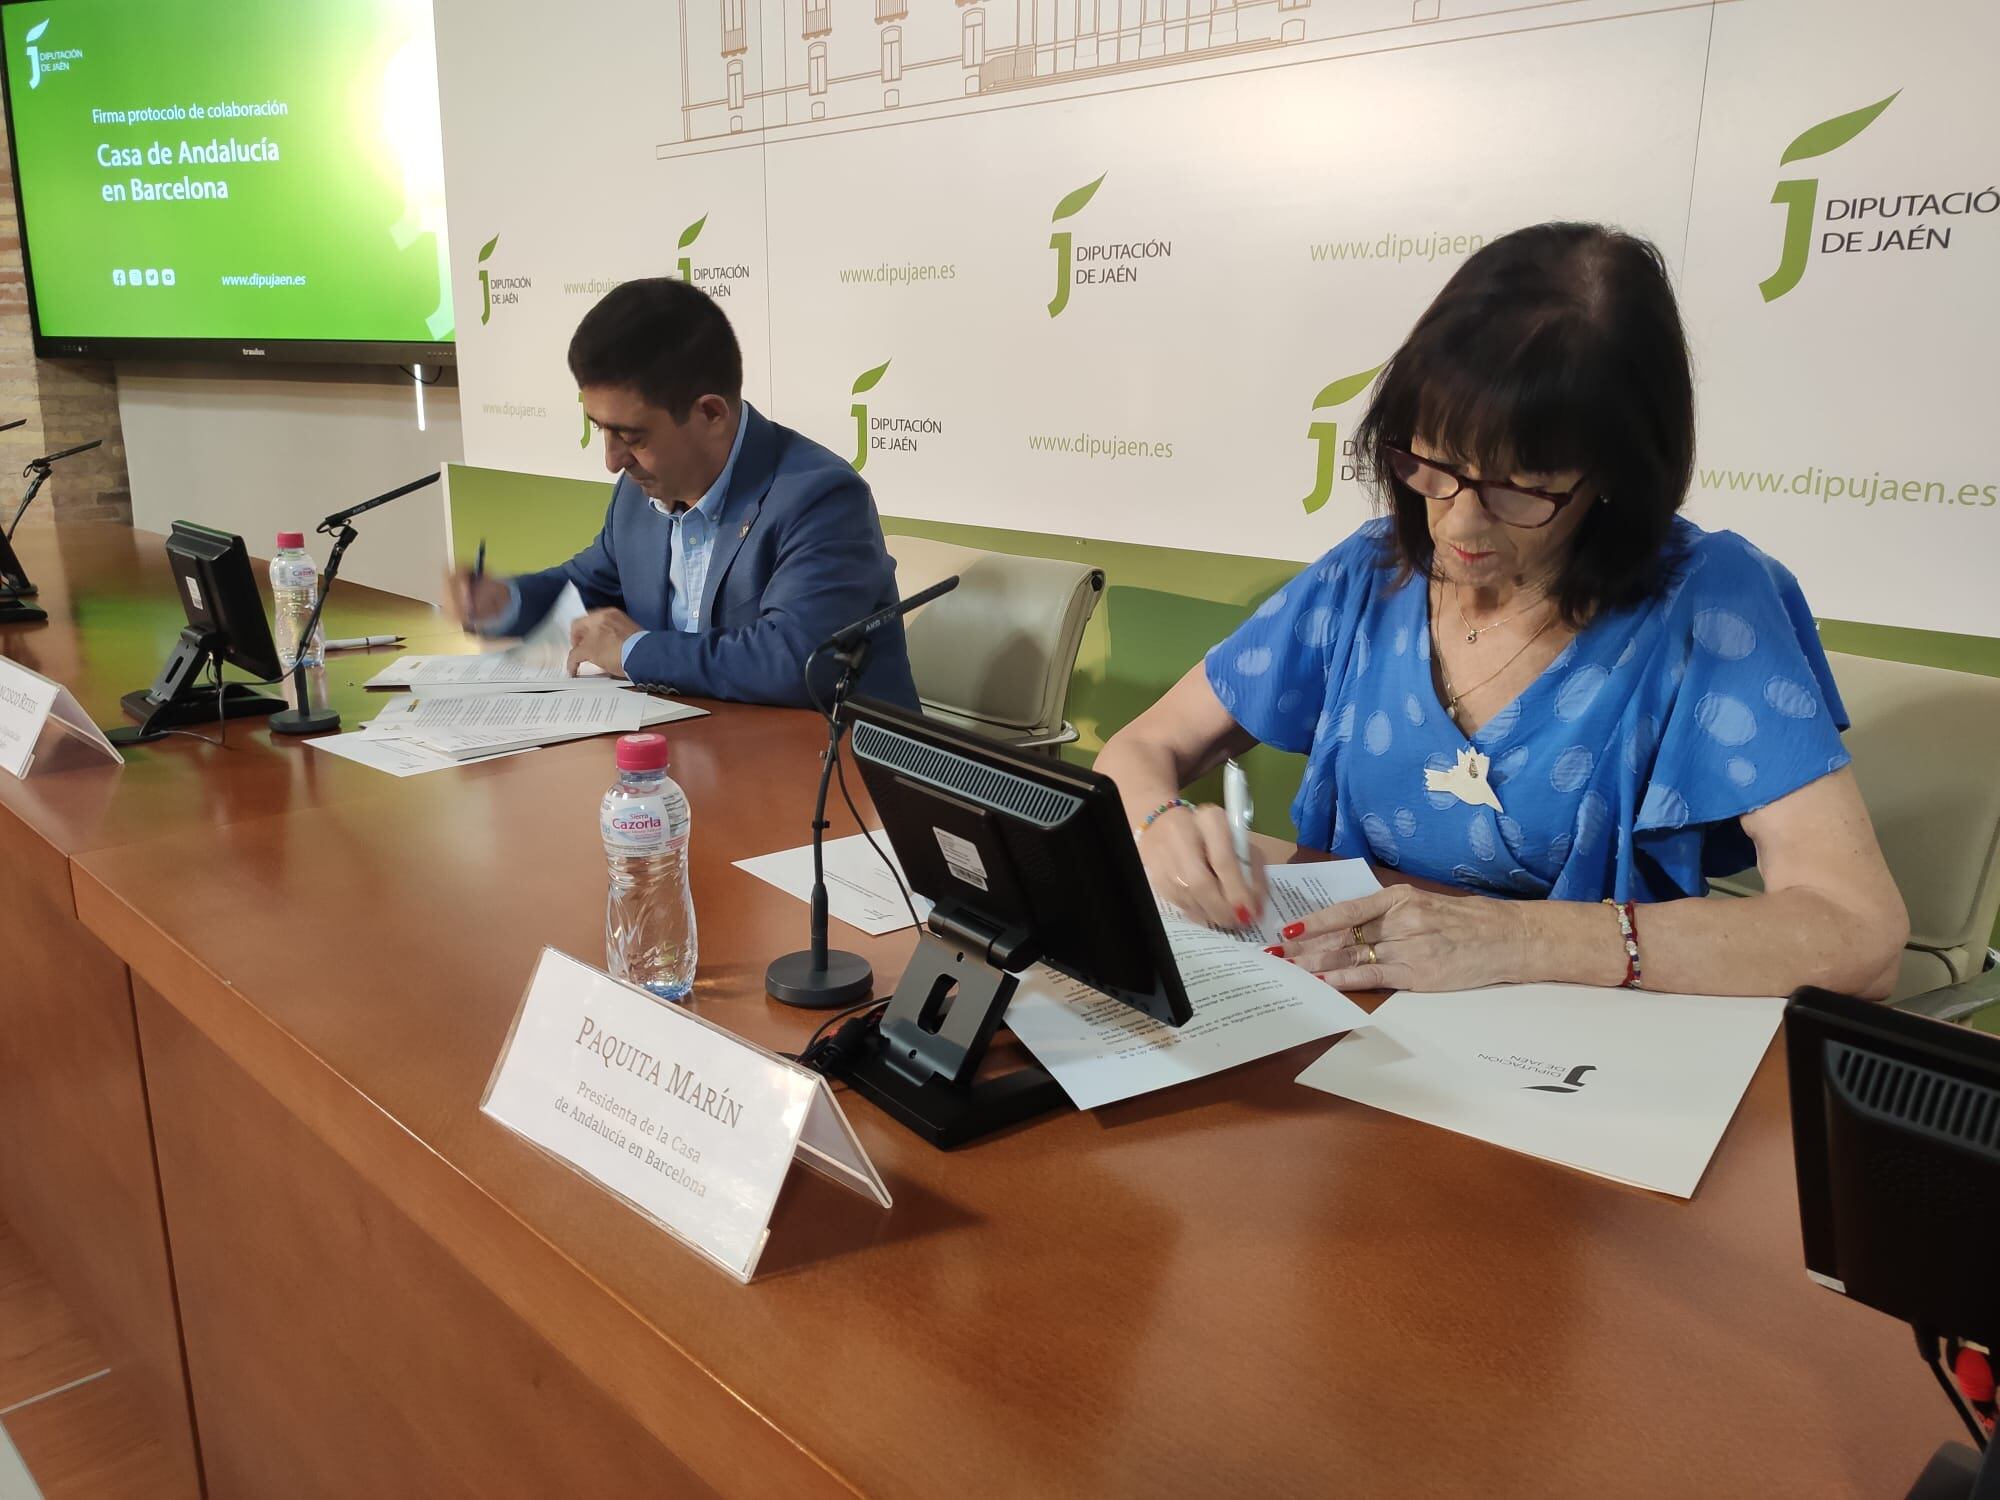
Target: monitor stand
{"type": "Point", "coordinates": [919, 1063]}
{"type": "Point", "coordinates": [1957, 1472]}
{"type": "Point", "coordinates": [178, 698]}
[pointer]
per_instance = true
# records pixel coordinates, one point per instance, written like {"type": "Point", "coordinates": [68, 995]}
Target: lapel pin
{"type": "Point", "coordinates": [744, 532]}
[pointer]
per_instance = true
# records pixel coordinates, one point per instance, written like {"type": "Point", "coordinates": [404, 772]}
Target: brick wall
{"type": "Point", "coordinates": [66, 402]}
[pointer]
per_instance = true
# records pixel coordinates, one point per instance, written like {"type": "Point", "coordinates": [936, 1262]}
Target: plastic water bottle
{"type": "Point", "coordinates": [649, 914]}
{"type": "Point", "coordinates": [294, 591]}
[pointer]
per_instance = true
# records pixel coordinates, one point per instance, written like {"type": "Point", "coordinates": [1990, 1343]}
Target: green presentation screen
{"type": "Point", "coordinates": [252, 178]}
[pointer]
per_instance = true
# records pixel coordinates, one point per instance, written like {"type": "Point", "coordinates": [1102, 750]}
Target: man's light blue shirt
{"type": "Point", "coordinates": [690, 544]}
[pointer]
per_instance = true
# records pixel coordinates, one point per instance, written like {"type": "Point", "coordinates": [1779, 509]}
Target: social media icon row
{"type": "Point", "coordinates": [150, 277]}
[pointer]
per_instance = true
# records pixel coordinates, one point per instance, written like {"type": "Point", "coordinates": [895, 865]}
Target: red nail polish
{"type": "Point", "coordinates": [1243, 916]}
{"type": "Point", "coordinates": [1275, 952]}
{"type": "Point", "coordinates": [1294, 930]}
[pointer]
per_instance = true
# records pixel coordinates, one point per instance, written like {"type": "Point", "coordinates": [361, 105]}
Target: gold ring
{"type": "Point", "coordinates": [1369, 956]}
{"type": "Point", "coordinates": [1355, 933]}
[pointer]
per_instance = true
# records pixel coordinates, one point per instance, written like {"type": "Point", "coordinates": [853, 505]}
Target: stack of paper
{"type": "Point", "coordinates": [1246, 1003]}
{"type": "Point", "coordinates": [518, 669]}
{"type": "Point", "coordinates": [428, 731]}
{"type": "Point", "coordinates": [1630, 1085]}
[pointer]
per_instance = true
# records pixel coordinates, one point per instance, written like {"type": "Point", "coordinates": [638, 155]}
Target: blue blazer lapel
{"type": "Point", "coordinates": [748, 485]}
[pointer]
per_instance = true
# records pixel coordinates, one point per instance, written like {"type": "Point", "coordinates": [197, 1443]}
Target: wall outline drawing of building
{"type": "Point", "coordinates": [757, 70]}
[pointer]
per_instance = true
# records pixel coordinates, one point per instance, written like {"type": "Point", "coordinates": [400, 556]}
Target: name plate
{"type": "Point", "coordinates": [29, 703]}
{"type": "Point", "coordinates": [688, 1124]}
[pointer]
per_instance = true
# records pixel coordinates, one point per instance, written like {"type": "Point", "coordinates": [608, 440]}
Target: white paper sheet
{"type": "Point", "coordinates": [1629, 1085]}
{"type": "Point", "coordinates": [553, 630]}
{"type": "Point", "coordinates": [398, 757]}
{"type": "Point", "coordinates": [1246, 1003]}
{"type": "Point", "coordinates": [541, 668]}
{"type": "Point", "coordinates": [511, 716]}
{"type": "Point", "coordinates": [859, 889]}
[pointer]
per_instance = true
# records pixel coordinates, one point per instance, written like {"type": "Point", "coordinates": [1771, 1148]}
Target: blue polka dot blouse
{"type": "Point", "coordinates": [1622, 770]}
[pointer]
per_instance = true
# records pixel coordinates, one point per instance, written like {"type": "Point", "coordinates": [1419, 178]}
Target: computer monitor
{"type": "Point", "coordinates": [1027, 859]}
{"type": "Point", "coordinates": [225, 623]}
{"type": "Point", "coordinates": [1896, 1137]}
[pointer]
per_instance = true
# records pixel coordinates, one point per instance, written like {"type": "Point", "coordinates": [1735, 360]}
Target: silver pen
{"type": "Point", "coordinates": [1237, 807]}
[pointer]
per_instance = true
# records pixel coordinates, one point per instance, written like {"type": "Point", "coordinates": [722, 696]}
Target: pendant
{"type": "Point", "coordinates": [1471, 636]}
{"type": "Point", "coordinates": [1466, 781]}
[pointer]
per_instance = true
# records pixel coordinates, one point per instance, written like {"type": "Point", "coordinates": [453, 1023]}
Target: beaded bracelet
{"type": "Point", "coordinates": [1157, 813]}
{"type": "Point", "coordinates": [1629, 930]}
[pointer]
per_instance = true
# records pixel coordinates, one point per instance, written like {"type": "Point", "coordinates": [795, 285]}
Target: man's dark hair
{"type": "Point", "coordinates": [662, 338]}
{"type": "Point", "coordinates": [1554, 348]}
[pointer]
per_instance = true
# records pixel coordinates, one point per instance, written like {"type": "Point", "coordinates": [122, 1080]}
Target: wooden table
{"type": "Point", "coordinates": [77, 1178]}
{"type": "Point", "coordinates": [1237, 1287]}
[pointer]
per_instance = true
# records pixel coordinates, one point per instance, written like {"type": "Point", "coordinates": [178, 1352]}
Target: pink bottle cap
{"type": "Point", "coordinates": [642, 752]}
{"type": "Point", "coordinates": [291, 539]}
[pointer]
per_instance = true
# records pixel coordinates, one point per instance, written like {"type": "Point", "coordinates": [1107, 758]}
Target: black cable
{"type": "Point", "coordinates": [411, 371]}
{"type": "Point", "coordinates": [840, 773]}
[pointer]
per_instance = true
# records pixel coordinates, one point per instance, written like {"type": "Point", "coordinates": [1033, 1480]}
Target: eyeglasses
{"type": "Point", "coordinates": [1510, 504]}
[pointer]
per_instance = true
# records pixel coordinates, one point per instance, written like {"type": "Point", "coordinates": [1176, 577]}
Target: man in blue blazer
{"type": "Point", "coordinates": [732, 547]}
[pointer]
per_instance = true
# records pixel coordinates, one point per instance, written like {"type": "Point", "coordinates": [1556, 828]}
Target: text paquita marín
{"type": "Point", "coordinates": [625, 1056]}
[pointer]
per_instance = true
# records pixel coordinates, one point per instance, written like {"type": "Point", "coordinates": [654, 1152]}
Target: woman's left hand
{"type": "Point", "coordinates": [1406, 939]}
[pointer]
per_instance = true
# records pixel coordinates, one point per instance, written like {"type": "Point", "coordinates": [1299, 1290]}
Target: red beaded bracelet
{"type": "Point", "coordinates": [1629, 930]}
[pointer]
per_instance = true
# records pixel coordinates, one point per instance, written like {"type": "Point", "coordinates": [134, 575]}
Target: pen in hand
{"type": "Point", "coordinates": [472, 589]}
{"type": "Point", "coordinates": [1238, 809]}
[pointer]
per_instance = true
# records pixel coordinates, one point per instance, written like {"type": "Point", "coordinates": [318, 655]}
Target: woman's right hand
{"type": "Point", "coordinates": [1191, 862]}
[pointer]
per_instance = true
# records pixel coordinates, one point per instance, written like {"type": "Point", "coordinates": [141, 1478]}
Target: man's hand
{"type": "Point", "coordinates": [474, 601]}
{"type": "Point", "coordinates": [599, 638]}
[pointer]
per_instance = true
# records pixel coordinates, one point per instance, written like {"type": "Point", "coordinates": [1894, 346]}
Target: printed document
{"type": "Point", "coordinates": [518, 668]}
{"type": "Point", "coordinates": [1247, 1004]}
{"type": "Point", "coordinates": [395, 756]}
{"type": "Point", "coordinates": [859, 888]}
{"type": "Point", "coordinates": [1630, 1085]}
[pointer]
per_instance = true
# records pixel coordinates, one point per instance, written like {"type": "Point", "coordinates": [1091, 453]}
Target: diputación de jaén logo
{"type": "Point", "coordinates": [1572, 1081]}
{"type": "Point", "coordinates": [688, 236]}
{"type": "Point", "coordinates": [863, 383]}
{"type": "Point", "coordinates": [1327, 435]}
{"type": "Point", "coordinates": [1060, 240]}
{"type": "Point", "coordinates": [1800, 195]}
{"type": "Point", "coordinates": [486, 285]}
{"type": "Point", "coordinates": [35, 53]}
{"type": "Point", "coordinates": [497, 291]}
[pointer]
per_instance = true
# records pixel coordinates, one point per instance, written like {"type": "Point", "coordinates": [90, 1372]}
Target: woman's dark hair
{"type": "Point", "coordinates": [1556, 347]}
{"type": "Point", "coordinates": [662, 338]}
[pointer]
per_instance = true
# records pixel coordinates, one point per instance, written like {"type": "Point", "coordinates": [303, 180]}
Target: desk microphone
{"type": "Point", "coordinates": [849, 636]}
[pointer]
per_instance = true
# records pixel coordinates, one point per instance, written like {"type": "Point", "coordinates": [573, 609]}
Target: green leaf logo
{"type": "Point", "coordinates": [692, 233]}
{"type": "Point", "coordinates": [1074, 203]}
{"type": "Point", "coordinates": [35, 32]}
{"type": "Point", "coordinates": [867, 380]}
{"type": "Point", "coordinates": [486, 249]}
{"type": "Point", "coordinates": [1346, 388]}
{"type": "Point", "coordinates": [1829, 135]}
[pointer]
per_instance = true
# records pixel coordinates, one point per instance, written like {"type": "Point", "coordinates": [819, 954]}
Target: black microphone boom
{"type": "Point", "coordinates": [849, 636]}
{"type": "Point", "coordinates": [303, 718]}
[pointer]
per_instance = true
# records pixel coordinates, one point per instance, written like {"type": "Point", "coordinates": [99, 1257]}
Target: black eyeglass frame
{"type": "Point", "coordinates": [1556, 499]}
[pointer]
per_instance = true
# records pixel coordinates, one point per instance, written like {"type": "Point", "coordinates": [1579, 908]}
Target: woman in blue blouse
{"type": "Point", "coordinates": [1533, 678]}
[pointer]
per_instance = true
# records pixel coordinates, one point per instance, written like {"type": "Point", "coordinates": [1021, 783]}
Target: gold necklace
{"type": "Point", "coordinates": [1473, 632]}
{"type": "Point", "coordinates": [1452, 697]}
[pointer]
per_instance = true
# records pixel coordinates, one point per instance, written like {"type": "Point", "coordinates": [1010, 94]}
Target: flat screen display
{"type": "Point", "coordinates": [258, 178]}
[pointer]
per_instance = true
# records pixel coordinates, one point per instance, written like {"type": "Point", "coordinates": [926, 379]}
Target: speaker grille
{"type": "Point", "coordinates": [951, 772]}
{"type": "Point", "coordinates": [1947, 1107]}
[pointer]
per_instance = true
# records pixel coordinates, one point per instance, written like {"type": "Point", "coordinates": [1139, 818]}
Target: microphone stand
{"type": "Point", "coordinates": [303, 719]}
{"type": "Point", "coordinates": [14, 583]}
{"type": "Point", "coordinates": [822, 978]}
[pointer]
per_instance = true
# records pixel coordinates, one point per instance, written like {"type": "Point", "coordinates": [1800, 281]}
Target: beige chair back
{"type": "Point", "coordinates": [995, 654]}
{"type": "Point", "coordinates": [1926, 748]}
